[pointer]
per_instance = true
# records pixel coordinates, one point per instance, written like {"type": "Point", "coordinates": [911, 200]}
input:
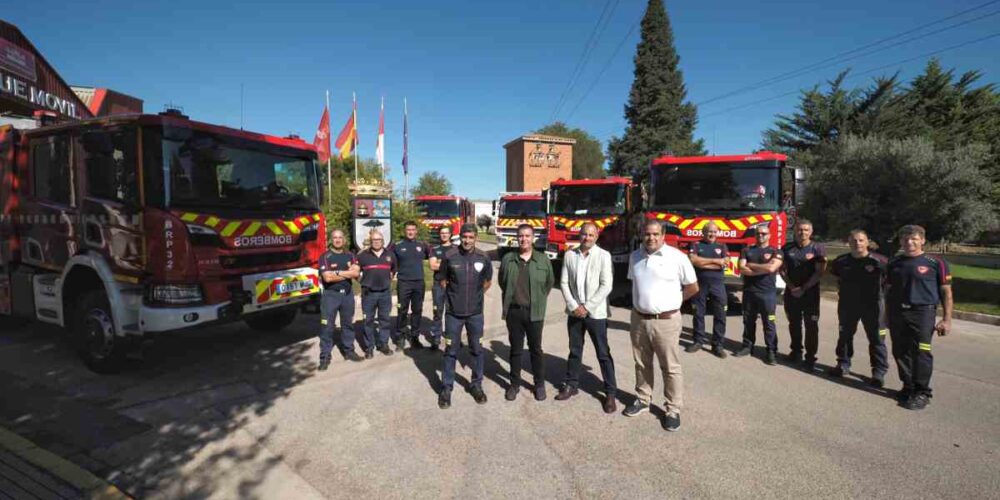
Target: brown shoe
{"type": "Point", "coordinates": [610, 406]}
{"type": "Point", "coordinates": [566, 392]}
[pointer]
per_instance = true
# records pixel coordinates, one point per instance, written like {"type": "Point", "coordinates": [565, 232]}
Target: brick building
{"type": "Point", "coordinates": [533, 161]}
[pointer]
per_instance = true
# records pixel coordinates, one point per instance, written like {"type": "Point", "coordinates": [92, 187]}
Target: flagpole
{"type": "Point", "coordinates": [381, 134]}
{"type": "Point", "coordinates": [354, 95]}
{"type": "Point", "coordinates": [406, 169]}
{"type": "Point", "coordinates": [329, 159]}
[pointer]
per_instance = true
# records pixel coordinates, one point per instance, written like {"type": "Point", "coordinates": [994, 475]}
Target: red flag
{"type": "Point", "coordinates": [348, 138]}
{"type": "Point", "coordinates": [322, 139]}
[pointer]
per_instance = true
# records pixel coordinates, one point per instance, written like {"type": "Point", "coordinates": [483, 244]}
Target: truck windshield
{"type": "Point", "coordinates": [438, 208]}
{"type": "Point", "coordinates": [730, 187]}
{"type": "Point", "coordinates": [206, 169]}
{"type": "Point", "coordinates": [588, 199]}
{"type": "Point", "coordinates": [522, 208]}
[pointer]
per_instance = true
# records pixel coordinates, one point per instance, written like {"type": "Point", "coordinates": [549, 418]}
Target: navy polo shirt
{"type": "Point", "coordinates": [708, 250]}
{"type": "Point", "coordinates": [438, 253]}
{"type": "Point", "coordinates": [333, 261]}
{"type": "Point", "coordinates": [861, 279]}
{"type": "Point", "coordinates": [916, 280]}
{"type": "Point", "coordinates": [800, 262]}
{"type": "Point", "coordinates": [466, 272]}
{"type": "Point", "coordinates": [376, 270]}
{"type": "Point", "coordinates": [410, 257]}
{"type": "Point", "coordinates": [764, 283]}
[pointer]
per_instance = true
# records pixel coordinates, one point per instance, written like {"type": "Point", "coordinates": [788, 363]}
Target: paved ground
{"type": "Point", "coordinates": [235, 413]}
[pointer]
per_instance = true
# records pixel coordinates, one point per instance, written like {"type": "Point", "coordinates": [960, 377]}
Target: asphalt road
{"type": "Point", "coordinates": [233, 413]}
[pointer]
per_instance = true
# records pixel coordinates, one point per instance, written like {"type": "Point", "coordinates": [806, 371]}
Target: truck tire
{"type": "Point", "coordinates": [272, 321]}
{"type": "Point", "coordinates": [93, 331]}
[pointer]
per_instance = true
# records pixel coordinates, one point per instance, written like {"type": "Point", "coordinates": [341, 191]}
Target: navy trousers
{"type": "Point", "coordinates": [336, 303]}
{"type": "Point", "coordinates": [453, 341]}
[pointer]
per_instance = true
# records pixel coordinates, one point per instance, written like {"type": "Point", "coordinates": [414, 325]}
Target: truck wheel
{"type": "Point", "coordinates": [94, 333]}
{"type": "Point", "coordinates": [272, 321]}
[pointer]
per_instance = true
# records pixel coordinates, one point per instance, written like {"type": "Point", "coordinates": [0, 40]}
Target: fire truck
{"type": "Point", "coordinates": [127, 227]}
{"type": "Point", "coordinates": [609, 203]}
{"type": "Point", "coordinates": [740, 193]}
{"type": "Point", "coordinates": [452, 211]}
{"type": "Point", "coordinates": [515, 208]}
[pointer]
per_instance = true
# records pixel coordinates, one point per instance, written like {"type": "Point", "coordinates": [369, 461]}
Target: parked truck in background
{"type": "Point", "coordinates": [444, 210]}
{"type": "Point", "coordinates": [132, 226]}
{"type": "Point", "coordinates": [740, 193]}
{"type": "Point", "coordinates": [515, 208]}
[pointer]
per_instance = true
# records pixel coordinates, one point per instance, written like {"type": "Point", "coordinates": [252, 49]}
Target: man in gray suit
{"type": "Point", "coordinates": [586, 283]}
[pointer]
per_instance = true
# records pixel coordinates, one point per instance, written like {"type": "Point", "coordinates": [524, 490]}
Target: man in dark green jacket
{"type": "Point", "coordinates": [525, 279]}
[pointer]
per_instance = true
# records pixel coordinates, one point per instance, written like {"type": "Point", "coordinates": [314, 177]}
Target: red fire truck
{"type": "Point", "coordinates": [514, 209]}
{"type": "Point", "coordinates": [126, 227]}
{"type": "Point", "coordinates": [609, 203]}
{"type": "Point", "coordinates": [739, 193]}
{"type": "Point", "coordinates": [447, 210]}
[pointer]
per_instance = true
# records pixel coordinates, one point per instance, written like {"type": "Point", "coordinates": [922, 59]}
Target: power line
{"type": "Point", "coordinates": [856, 75]}
{"type": "Point", "coordinates": [588, 48]}
{"type": "Point", "coordinates": [607, 64]}
{"type": "Point", "coordinates": [840, 58]}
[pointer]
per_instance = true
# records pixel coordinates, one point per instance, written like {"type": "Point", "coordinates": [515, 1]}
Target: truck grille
{"type": "Point", "coordinates": [259, 259]}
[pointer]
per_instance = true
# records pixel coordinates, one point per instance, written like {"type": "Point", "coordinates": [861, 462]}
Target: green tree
{"type": "Point", "coordinates": [881, 184]}
{"type": "Point", "coordinates": [432, 183]}
{"type": "Point", "coordinates": [658, 117]}
{"type": "Point", "coordinates": [588, 156]}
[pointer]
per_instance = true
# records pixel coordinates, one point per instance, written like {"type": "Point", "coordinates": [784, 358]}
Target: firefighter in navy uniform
{"type": "Point", "coordinates": [758, 266]}
{"type": "Point", "coordinates": [410, 256]}
{"type": "Point", "coordinates": [337, 268]}
{"type": "Point", "coordinates": [916, 283]}
{"type": "Point", "coordinates": [709, 258]}
{"type": "Point", "coordinates": [861, 276]}
{"type": "Point", "coordinates": [468, 273]}
{"type": "Point", "coordinates": [437, 291]}
{"type": "Point", "coordinates": [378, 265]}
{"type": "Point", "coordinates": [805, 261]}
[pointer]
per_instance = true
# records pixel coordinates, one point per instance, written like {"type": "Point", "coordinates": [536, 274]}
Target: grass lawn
{"type": "Point", "coordinates": [487, 237]}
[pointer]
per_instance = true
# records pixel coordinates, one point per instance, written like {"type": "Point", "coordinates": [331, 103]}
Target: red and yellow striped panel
{"type": "Point", "coordinates": [231, 228]}
{"type": "Point", "coordinates": [514, 222]}
{"type": "Point", "coordinates": [577, 223]}
{"type": "Point", "coordinates": [740, 224]}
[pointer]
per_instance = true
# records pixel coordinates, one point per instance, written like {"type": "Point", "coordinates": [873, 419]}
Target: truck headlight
{"type": "Point", "coordinates": [310, 232]}
{"type": "Point", "coordinates": [203, 235]}
{"type": "Point", "coordinates": [176, 294]}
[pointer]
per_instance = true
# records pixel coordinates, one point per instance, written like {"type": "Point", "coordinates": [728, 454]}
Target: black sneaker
{"type": "Point", "coordinates": [719, 352]}
{"type": "Point", "coordinates": [511, 393]}
{"type": "Point", "coordinates": [400, 344]}
{"type": "Point", "coordinates": [770, 358]}
{"type": "Point", "coordinates": [795, 357]}
{"type": "Point", "coordinates": [837, 372]}
{"type": "Point", "coordinates": [635, 408]}
{"type": "Point", "coordinates": [444, 399]}
{"type": "Point", "coordinates": [744, 351]}
{"type": "Point", "coordinates": [415, 342]}
{"type": "Point", "coordinates": [351, 356]}
{"type": "Point", "coordinates": [478, 394]}
{"type": "Point", "coordinates": [693, 347]}
{"type": "Point", "coordinates": [917, 402]}
{"type": "Point", "coordinates": [878, 380]}
{"type": "Point", "coordinates": [903, 395]}
{"type": "Point", "coordinates": [434, 344]}
{"type": "Point", "coordinates": [808, 365]}
{"type": "Point", "coordinates": [324, 363]}
{"type": "Point", "coordinates": [369, 353]}
{"type": "Point", "coordinates": [672, 422]}
{"type": "Point", "coordinates": [385, 349]}
{"type": "Point", "coordinates": [540, 392]}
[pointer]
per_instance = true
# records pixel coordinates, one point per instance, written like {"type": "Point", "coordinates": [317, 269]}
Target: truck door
{"type": "Point", "coordinates": [6, 216]}
{"type": "Point", "coordinates": [49, 209]}
{"type": "Point", "coordinates": [110, 222]}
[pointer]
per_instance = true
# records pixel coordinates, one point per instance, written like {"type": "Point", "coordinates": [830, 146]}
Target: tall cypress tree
{"type": "Point", "coordinates": [658, 118]}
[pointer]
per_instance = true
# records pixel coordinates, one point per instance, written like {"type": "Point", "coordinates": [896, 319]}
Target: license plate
{"type": "Point", "coordinates": [294, 286]}
{"type": "Point", "coordinates": [272, 287]}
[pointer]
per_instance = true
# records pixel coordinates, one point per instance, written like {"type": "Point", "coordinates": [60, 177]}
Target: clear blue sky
{"type": "Point", "coordinates": [476, 74]}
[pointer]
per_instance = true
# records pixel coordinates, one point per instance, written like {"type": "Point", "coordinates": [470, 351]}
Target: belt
{"type": "Point", "coordinates": [917, 306]}
{"type": "Point", "coordinates": [662, 315]}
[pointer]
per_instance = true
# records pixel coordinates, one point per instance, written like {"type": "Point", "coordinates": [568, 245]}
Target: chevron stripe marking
{"type": "Point", "coordinates": [230, 229]}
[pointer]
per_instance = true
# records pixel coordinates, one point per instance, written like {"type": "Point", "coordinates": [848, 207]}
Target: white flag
{"type": "Point", "coordinates": [380, 141]}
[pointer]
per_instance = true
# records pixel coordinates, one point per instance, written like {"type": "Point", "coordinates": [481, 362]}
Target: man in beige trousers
{"type": "Point", "coordinates": [662, 279]}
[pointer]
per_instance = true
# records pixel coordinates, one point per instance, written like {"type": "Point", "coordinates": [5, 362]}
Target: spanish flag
{"type": "Point", "coordinates": [347, 141]}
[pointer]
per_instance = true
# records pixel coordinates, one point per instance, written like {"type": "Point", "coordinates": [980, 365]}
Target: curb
{"type": "Point", "coordinates": [986, 319]}
{"type": "Point", "coordinates": [87, 483]}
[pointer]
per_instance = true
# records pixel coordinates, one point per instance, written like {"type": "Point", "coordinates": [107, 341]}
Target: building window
{"type": "Point", "coordinates": [51, 176]}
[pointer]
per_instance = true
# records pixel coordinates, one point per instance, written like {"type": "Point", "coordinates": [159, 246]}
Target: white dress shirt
{"type": "Point", "coordinates": [657, 279]}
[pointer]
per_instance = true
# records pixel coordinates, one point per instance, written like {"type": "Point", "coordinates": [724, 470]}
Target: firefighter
{"type": "Point", "coordinates": [337, 268]}
{"type": "Point", "coordinates": [916, 284]}
{"type": "Point", "coordinates": [804, 263]}
{"type": "Point", "coordinates": [410, 256]}
{"type": "Point", "coordinates": [758, 266]}
{"type": "Point", "coordinates": [709, 258]}
{"type": "Point", "coordinates": [468, 274]}
{"type": "Point", "coordinates": [861, 275]}
{"type": "Point", "coordinates": [437, 291]}
{"type": "Point", "coordinates": [378, 265]}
